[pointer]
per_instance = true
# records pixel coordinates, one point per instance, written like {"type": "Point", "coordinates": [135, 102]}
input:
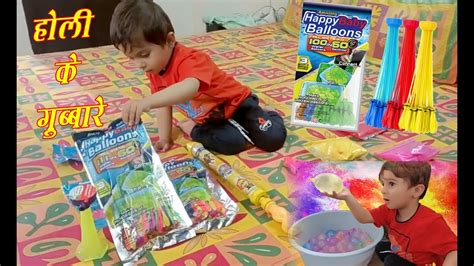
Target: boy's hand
{"type": "Point", "coordinates": [163, 145]}
{"type": "Point", "coordinates": [343, 195]}
{"type": "Point", "coordinates": [133, 110]}
{"type": "Point", "coordinates": [360, 213]}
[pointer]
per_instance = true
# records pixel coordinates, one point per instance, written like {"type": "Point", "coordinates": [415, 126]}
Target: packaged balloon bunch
{"type": "Point", "coordinates": [139, 200]}
{"type": "Point", "coordinates": [205, 201]}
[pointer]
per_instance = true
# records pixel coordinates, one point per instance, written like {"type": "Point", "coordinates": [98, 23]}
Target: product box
{"type": "Point", "coordinates": [333, 42]}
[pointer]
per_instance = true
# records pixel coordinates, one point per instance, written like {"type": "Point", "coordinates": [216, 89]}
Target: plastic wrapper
{"type": "Point", "coordinates": [336, 149]}
{"type": "Point", "coordinates": [335, 75]}
{"type": "Point", "coordinates": [63, 153]}
{"type": "Point", "coordinates": [409, 151]}
{"type": "Point", "coordinates": [323, 66]}
{"type": "Point", "coordinates": [205, 201]}
{"type": "Point", "coordinates": [137, 196]}
{"type": "Point", "coordinates": [97, 212]}
{"type": "Point", "coordinates": [364, 131]}
{"type": "Point", "coordinates": [328, 94]}
{"type": "Point", "coordinates": [256, 195]}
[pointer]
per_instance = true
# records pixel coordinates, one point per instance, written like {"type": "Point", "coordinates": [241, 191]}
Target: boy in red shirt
{"type": "Point", "coordinates": [417, 234]}
{"type": "Point", "coordinates": [223, 114]}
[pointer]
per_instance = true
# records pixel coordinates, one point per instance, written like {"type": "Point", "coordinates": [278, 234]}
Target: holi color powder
{"type": "Point", "coordinates": [308, 205]}
{"type": "Point", "coordinates": [300, 171]}
{"type": "Point", "coordinates": [442, 194]}
{"type": "Point", "coordinates": [306, 196]}
{"type": "Point", "coordinates": [366, 191]}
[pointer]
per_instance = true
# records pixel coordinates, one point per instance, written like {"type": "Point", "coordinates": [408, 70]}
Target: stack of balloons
{"type": "Point", "coordinates": [339, 241]}
{"type": "Point", "coordinates": [418, 112]}
{"type": "Point", "coordinates": [406, 68]}
{"type": "Point", "coordinates": [403, 98]}
{"type": "Point", "coordinates": [388, 71]}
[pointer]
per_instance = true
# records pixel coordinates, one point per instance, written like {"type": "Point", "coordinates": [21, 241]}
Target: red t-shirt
{"type": "Point", "coordinates": [423, 239]}
{"type": "Point", "coordinates": [219, 94]}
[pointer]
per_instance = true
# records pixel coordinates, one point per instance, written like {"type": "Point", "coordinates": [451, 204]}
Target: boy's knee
{"type": "Point", "coordinates": [395, 260]}
{"type": "Point", "coordinates": [391, 260]}
{"type": "Point", "coordinates": [382, 246]}
{"type": "Point", "coordinates": [273, 141]}
{"type": "Point", "coordinates": [228, 150]}
{"type": "Point", "coordinates": [274, 137]}
{"type": "Point", "coordinates": [381, 249]}
{"type": "Point", "coordinates": [228, 146]}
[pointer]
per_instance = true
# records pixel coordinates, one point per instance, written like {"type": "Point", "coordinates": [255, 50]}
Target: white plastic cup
{"type": "Point", "coordinates": [314, 224]}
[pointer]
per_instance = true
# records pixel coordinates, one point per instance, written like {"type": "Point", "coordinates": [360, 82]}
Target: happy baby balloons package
{"type": "Point", "coordinates": [140, 204]}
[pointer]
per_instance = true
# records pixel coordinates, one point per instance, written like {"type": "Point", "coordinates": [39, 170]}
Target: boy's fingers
{"type": "Point", "coordinates": [168, 146]}
{"type": "Point", "coordinates": [131, 114]}
{"type": "Point", "coordinates": [125, 113]}
{"type": "Point", "coordinates": [138, 113]}
{"type": "Point", "coordinates": [164, 148]}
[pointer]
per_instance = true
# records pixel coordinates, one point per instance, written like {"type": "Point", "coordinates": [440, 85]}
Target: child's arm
{"type": "Point", "coordinates": [174, 94]}
{"type": "Point", "coordinates": [451, 259]}
{"type": "Point", "coordinates": [360, 213]}
{"type": "Point", "coordinates": [164, 116]}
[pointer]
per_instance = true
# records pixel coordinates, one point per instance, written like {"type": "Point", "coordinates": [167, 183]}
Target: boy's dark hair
{"type": "Point", "coordinates": [135, 20]}
{"type": "Point", "coordinates": [413, 172]}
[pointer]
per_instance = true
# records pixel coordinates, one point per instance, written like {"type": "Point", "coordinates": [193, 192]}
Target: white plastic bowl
{"type": "Point", "coordinates": [317, 223]}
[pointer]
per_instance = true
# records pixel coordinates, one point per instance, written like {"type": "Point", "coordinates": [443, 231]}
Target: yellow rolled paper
{"type": "Point", "coordinates": [225, 171]}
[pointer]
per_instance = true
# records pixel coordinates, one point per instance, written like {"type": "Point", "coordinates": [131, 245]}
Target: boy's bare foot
{"type": "Point", "coordinates": [186, 126]}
